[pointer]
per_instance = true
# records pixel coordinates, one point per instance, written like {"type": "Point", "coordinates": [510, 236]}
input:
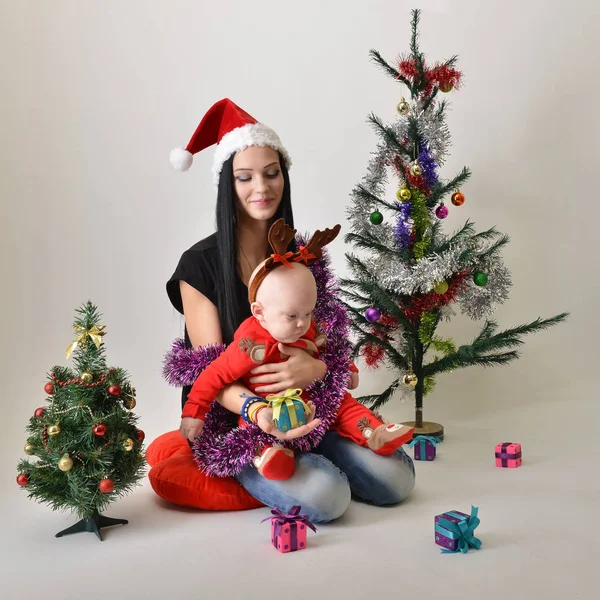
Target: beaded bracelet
{"type": "Point", "coordinates": [247, 404]}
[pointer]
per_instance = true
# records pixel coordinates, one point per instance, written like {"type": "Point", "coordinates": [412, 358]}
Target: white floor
{"type": "Point", "coordinates": [539, 531]}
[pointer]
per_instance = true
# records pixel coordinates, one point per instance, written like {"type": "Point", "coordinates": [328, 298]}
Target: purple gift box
{"type": "Point", "coordinates": [443, 536]}
{"type": "Point", "coordinates": [424, 446]}
{"type": "Point", "coordinates": [454, 531]}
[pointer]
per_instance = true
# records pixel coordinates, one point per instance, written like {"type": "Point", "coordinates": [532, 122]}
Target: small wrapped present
{"type": "Point", "coordinates": [288, 530]}
{"type": "Point", "coordinates": [454, 531]}
{"type": "Point", "coordinates": [425, 446]}
{"type": "Point", "coordinates": [289, 410]}
{"type": "Point", "coordinates": [508, 455]}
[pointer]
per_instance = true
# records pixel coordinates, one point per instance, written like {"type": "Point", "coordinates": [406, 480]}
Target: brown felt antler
{"type": "Point", "coordinates": [280, 236]}
{"type": "Point", "coordinates": [320, 239]}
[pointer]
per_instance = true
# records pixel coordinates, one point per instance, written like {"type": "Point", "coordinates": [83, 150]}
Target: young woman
{"type": "Point", "coordinates": [209, 287]}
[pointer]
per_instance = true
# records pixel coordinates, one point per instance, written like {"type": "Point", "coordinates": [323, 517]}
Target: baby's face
{"type": "Point", "coordinates": [287, 320]}
{"type": "Point", "coordinates": [287, 298]}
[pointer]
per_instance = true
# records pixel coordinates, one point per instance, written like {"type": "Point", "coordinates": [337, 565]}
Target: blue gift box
{"type": "Point", "coordinates": [289, 410]}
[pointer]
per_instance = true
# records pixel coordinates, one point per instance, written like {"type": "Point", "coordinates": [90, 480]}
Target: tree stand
{"type": "Point", "coordinates": [92, 524]}
{"type": "Point", "coordinates": [426, 428]}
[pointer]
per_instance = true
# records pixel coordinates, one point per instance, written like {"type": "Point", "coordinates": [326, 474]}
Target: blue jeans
{"type": "Point", "coordinates": [324, 479]}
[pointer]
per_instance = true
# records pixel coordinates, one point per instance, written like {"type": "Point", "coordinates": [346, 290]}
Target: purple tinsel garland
{"type": "Point", "coordinates": [223, 448]}
{"type": "Point", "coordinates": [403, 226]}
{"type": "Point", "coordinates": [428, 165]}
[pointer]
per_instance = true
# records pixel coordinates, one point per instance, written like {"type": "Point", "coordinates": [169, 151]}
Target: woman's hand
{"type": "Point", "coordinates": [298, 371]}
{"type": "Point", "coordinates": [265, 422]}
{"type": "Point", "coordinates": [190, 428]}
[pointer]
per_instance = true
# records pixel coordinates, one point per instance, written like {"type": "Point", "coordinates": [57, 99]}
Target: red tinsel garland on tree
{"type": "Point", "coordinates": [440, 74]}
{"type": "Point", "coordinates": [431, 301]}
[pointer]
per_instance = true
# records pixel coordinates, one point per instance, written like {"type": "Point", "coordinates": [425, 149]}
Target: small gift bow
{"type": "Point", "coordinates": [425, 438]}
{"type": "Point", "coordinates": [95, 333]}
{"type": "Point", "coordinates": [464, 530]}
{"type": "Point", "coordinates": [276, 401]}
{"type": "Point", "coordinates": [293, 516]}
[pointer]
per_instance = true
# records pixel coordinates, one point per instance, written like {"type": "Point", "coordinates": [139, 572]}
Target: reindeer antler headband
{"type": "Point", "coordinates": [280, 235]}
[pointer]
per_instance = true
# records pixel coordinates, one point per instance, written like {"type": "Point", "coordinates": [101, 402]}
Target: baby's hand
{"type": "Point", "coordinates": [190, 428]}
{"type": "Point", "coordinates": [353, 381]}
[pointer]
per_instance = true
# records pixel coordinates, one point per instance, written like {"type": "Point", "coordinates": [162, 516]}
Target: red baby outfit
{"type": "Point", "coordinates": [254, 345]}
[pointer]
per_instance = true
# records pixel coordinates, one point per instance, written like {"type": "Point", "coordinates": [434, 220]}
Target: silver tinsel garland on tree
{"type": "Point", "coordinates": [421, 277]}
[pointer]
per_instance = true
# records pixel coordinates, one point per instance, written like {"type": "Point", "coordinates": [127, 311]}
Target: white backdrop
{"type": "Point", "coordinates": [95, 94]}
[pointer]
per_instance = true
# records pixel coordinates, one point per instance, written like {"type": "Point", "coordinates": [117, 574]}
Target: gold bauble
{"type": "Point", "coordinates": [65, 463]}
{"type": "Point", "coordinates": [446, 87]}
{"type": "Point", "coordinates": [403, 107]}
{"type": "Point", "coordinates": [415, 170]}
{"type": "Point", "coordinates": [129, 402]}
{"type": "Point", "coordinates": [53, 430]}
{"type": "Point", "coordinates": [139, 456]}
{"type": "Point", "coordinates": [410, 380]}
{"type": "Point", "coordinates": [404, 194]}
{"type": "Point", "coordinates": [128, 444]}
{"type": "Point", "coordinates": [441, 287]}
{"type": "Point", "coordinates": [86, 377]}
{"type": "Point", "coordinates": [29, 449]}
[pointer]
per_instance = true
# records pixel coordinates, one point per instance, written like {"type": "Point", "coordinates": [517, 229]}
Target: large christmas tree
{"type": "Point", "coordinates": [87, 446]}
{"type": "Point", "coordinates": [410, 275]}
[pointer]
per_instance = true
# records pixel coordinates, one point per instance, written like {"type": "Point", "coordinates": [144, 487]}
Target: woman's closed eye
{"type": "Point", "coordinates": [269, 175]}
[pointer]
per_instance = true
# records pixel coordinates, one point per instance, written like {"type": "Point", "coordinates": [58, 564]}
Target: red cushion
{"type": "Point", "coordinates": [167, 445]}
{"type": "Point", "coordinates": [175, 477]}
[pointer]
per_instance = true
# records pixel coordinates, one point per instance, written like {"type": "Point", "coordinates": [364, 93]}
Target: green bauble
{"type": "Point", "coordinates": [480, 278]}
{"type": "Point", "coordinates": [376, 218]}
{"type": "Point", "coordinates": [441, 287]}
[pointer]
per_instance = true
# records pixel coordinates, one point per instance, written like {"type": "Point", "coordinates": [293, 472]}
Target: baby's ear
{"type": "Point", "coordinates": [257, 311]}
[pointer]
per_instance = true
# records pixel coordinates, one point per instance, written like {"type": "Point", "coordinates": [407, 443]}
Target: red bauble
{"type": "Point", "coordinates": [140, 435]}
{"type": "Point", "coordinates": [39, 413]}
{"type": "Point", "coordinates": [114, 390]}
{"type": "Point", "coordinates": [22, 479]}
{"type": "Point", "coordinates": [106, 486]}
{"type": "Point", "coordinates": [99, 429]}
{"type": "Point", "coordinates": [49, 388]}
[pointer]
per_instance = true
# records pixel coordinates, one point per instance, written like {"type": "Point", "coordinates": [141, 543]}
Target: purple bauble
{"type": "Point", "coordinates": [441, 212]}
{"type": "Point", "coordinates": [372, 314]}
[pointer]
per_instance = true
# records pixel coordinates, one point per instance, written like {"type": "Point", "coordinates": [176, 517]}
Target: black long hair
{"type": "Point", "coordinates": [229, 289]}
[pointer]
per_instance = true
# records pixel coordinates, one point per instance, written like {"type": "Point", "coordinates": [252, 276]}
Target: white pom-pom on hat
{"type": "Point", "coordinates": [181, 159]}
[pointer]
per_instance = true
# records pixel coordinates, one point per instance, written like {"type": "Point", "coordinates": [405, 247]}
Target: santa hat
{"type": "Point", "coordinates": [232, 129]}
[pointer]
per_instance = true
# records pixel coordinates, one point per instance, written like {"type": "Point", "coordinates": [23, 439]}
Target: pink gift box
{"type": "Point", "coordinates": [508, 455]}
{"type": "Point", "coordinates": [288, 530]}
{"type": "Point", "coordinates": [289, 536]}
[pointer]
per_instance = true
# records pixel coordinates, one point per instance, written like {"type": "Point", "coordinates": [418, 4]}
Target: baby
{"type": "Point", "coordinates": [283, 294]}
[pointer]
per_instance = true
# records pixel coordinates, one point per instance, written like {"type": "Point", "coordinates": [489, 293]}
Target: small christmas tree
{"type": "Point", "coordinates": [414, 274]}
{"type": "Point", "coordinates": [88, 447]}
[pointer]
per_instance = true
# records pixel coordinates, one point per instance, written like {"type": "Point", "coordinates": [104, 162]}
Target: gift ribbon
{"type": "Point", "coordinates": [95, 333]}
{"type": "Point", "coordinates": [292, 518]}
{"type": "Point", "coordinates": [276, 401]}
{"type": "Point", "coordinates": [461, 531]}
{"type": "Point", "coordinates": [425, 438]}
{"type": "Point", "coordinates": [507, 456]}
